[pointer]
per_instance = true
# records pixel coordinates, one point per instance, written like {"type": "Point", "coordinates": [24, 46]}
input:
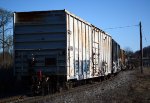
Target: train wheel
{"type": "Point", "coordinates": [60, 89]}
{"type": "Point", "coordinates": [69, 85]}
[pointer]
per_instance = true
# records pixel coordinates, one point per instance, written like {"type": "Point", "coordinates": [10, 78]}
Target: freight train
{"type": "Point", "coordinates": [57, 49]}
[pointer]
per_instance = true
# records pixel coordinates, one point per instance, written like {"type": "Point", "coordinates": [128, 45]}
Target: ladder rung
{"type": "Point", "coordinates": [95, 54]}
{"type": "Point", "coordinates": [96, 42]}
{"type": "Point", "coordinates": [95, 48]}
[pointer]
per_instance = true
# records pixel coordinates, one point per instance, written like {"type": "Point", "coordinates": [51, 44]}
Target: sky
{"type": "Point", "coordinates": [119, 18]}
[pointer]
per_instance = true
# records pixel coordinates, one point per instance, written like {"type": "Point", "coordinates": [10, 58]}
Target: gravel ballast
{"type": "Point", "coordinates": [114, 90]}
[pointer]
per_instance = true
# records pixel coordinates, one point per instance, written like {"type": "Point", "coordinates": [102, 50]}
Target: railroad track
{"type": "Point", "coordinates": [12, 99]}
{"type": "Point", "coordinates": [18, 99]}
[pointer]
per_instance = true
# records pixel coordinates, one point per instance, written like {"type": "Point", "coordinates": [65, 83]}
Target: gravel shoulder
{"type": "Point", "coordinates": [127, 87]}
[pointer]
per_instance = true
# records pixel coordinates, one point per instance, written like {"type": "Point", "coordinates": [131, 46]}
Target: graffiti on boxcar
{"type": "Point", "coordinates": [104, 67]}
{"type": "Point", "coordinates": [82, 63]}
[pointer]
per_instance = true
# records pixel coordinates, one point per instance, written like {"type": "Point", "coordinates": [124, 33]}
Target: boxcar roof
{"type": "Point", "coordinates": [73, 15]}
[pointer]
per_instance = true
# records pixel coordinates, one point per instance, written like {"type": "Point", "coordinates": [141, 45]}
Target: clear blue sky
{"type": "Point", "coordinates": [101, 13]}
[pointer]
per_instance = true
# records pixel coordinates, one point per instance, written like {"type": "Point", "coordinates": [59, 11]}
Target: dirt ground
{"type": "Point", "coordinates": [140, 90]}
{"type": "Point", "coordinates": [129, 86]}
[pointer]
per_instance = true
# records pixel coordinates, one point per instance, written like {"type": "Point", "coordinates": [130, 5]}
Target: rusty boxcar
{"type": "Point", "coordinates": [60, 43]}
{"type": "Point", "coordinates": [62, 46]}
{"type": "Point", "coordinates": [123, 59]}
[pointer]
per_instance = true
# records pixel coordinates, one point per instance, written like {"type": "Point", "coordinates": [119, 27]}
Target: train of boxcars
{"type": "Point", "coordinates": [56, 49]}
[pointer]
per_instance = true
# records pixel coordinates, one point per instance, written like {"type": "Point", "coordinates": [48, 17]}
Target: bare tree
{"type": "Point", "coordinates": [5, 27]}
{"type": "Point", "coordinates": [129, 52]}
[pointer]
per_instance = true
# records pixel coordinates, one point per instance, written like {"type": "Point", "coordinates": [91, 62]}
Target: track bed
{"type": "Point", "coordinates": [91, 93]}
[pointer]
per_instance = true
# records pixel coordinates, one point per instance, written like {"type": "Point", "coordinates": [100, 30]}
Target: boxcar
{"type": "Point", "coordinates": [116, 60]}
{"type": "Point", "coordinates": [123, 59]}
{"type": "Point", "coordinates": [61, 45]}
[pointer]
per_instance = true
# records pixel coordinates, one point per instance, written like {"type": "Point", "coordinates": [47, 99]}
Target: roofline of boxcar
{"type": "Point", "coordinates": [114, 41]}
{"type": "Point", "coordinates": [80, 19]}
{"type": "Point", "coordinates": [73, 15]}
{"type": "Point", "coordinates": [37, 11]}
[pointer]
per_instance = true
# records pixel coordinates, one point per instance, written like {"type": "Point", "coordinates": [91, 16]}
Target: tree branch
{"type": "Point", "coordinates": [6, 29]}
{"type": "Point", "coordinates": [4, 41]}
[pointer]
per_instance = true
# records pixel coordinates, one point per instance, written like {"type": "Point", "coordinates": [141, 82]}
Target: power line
{"type": "Point", "coordinates": [145, 37]}
{"type": "Point", "coordinates": [120, 27]}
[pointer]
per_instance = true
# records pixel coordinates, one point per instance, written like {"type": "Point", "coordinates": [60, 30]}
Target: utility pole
{"type": "Point", "coordinates": [141, 49]}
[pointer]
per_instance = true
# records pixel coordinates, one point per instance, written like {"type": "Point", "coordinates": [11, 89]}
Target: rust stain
{"type": "Point", "coordinates": [87, 37]}
{"type": "Point", "coordinates": [122, 56]}
{"type": "Point", "coordinates": [29, 17]}
{"type": "Point", "coordinates": [83, 35]}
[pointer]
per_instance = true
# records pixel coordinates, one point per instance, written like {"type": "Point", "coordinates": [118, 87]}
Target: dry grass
{"type": "Point", "coordinates": [140, 89]}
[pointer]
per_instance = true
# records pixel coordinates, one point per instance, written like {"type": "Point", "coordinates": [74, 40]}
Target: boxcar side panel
{"type": "Point", "coordinates": [76, 46]}
{"type": "Point", "coordinates": [79, 48]}
{"type": "Point", "coordinates": [90, 52]}
{"type": "Point", "coordinates": [115, 57]}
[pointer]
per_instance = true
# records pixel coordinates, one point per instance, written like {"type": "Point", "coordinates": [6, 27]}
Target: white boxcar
{"type": "Point", "coordinates": [60, 43]}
